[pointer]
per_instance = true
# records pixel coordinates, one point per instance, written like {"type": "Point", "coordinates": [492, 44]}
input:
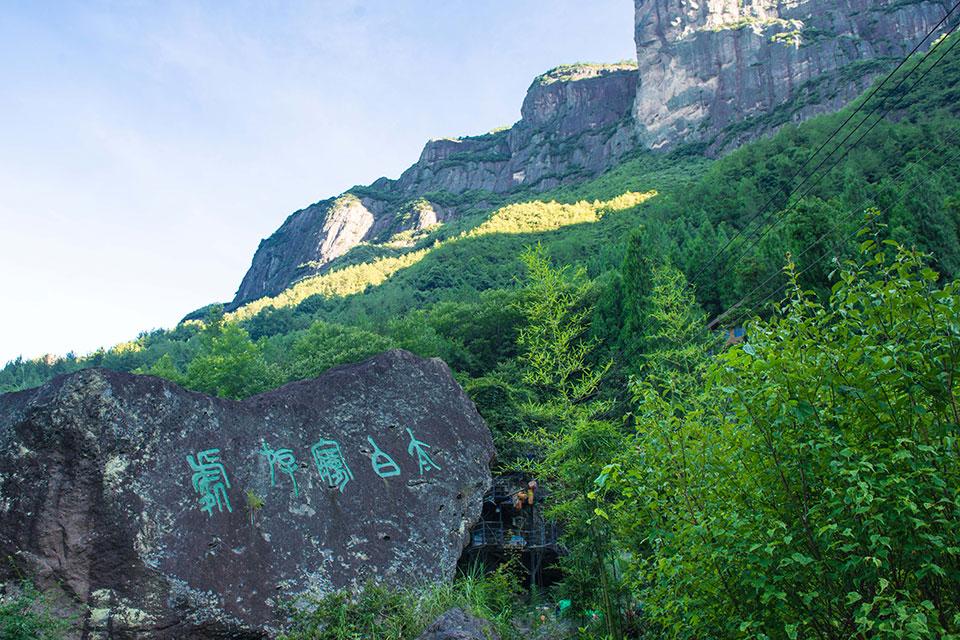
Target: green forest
{"type": "Point", "coordinates": [801, 483]}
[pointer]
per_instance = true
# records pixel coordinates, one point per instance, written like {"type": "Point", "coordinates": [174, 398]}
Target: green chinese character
{"type": "Point", "coordinates": [285, 460]}
{"type": "Point", "coordinates": [423, 459]}
{"type": "Point", "coordinates": [210, 481]}
{"type": "Point", "coordinates": [383, 465]}
{"type": "Point", "coordinates": [331, 465]}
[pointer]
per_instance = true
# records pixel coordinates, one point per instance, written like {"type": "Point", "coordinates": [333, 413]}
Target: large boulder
{"type": "Point", "coordinates": [164, 513]}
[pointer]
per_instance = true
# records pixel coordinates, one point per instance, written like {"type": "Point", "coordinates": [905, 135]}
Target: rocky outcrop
{"type": "Point", "coordinates": [457, 624]}
{"type": "Point", "coordinates": [164, 513]}
{"type": "Point", "coordinates": [708, 64]}
{"type": "Point", "coordinates": [716, 73]}
{"type": "Point", "coordinates": [575, 122]}
{"type": "Point", "coordinates": [306, 242]}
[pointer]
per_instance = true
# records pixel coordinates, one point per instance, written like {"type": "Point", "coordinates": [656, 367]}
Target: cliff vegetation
{"type": "Point", "coordinates": [796, 479]}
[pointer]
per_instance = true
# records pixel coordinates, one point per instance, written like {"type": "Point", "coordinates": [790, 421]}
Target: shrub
{"type": "Point", "coordinates": [27, 614]}
{"type": "Point", "coordinates": [379, 612]}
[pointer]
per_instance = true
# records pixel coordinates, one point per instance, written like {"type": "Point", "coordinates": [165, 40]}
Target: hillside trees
{"type": "Point", "coordinates": [229, 363]}
{"type": "Point", "coordinates": [325, 345]}
{"type": "Point", "coordinates": [565, 432]}
{"type": "Point", "coordinates": [806, 484]}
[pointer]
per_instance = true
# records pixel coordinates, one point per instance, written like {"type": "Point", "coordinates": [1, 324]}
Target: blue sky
{"type": "Point", "coordinates": [147, 147]}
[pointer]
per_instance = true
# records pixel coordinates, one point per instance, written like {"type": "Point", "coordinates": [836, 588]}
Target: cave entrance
{"type": "Point", "coordinates": [512, 525]}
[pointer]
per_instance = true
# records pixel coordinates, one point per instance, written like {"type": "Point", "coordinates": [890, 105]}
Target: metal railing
{"type": "Point", "coordinates": [495, 534]}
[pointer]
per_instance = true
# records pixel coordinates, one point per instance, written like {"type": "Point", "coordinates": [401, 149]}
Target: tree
{"type": "Point", "coordinates": [570, 440]}
{"type": "Point", "coordinates": [645, 251]}
{"type": "Point", "coordinates": [164, 368]}
{"type": "Point", "coordinates": [229, 364]}
{"type": "Point", "coordinates": [808, 484]}
{"type": "Point", "coordinates": [656, 477]}
{"type": "Point", "coordinates": [554, 350]}
{"type": "Point", "coordinates": [325, 345]}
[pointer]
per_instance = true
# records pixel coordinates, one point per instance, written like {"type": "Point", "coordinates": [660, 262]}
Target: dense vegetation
{"type": "Point", "coordinates": [28, 614]}
{"type": "Point", "coordinates": [802, 484]}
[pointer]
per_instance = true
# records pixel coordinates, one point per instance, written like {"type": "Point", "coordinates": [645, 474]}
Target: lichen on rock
{"type": "Point", "coordinates": [132, 499]}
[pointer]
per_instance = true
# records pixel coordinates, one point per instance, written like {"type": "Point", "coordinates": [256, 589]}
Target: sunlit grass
{"type": "Point", "coordinates": [525, 217]}
{"type": "Point", "coordinates": [342, 282]}
{"type": "Point", "coordinates": [538, 216]}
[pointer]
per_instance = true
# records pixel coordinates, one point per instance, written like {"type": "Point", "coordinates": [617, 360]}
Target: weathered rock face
{"type": "Point", "coordinates": [172, 514]}
{"type": "Point", "coordinates": [457, 624]}
{"type": "Point", "coordinates": [709, 64]}
{"type": "Point", "coordinates": [306, 242]}
{"type": "Point", "coordinates": [715, 72]}
{"type": "Point", "coordinates": [575, 123]}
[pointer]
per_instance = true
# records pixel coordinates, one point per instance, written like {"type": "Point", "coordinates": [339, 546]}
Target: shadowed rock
{"type": "Point", "coordinates": [173, 514]}
{"type": "Point", "coordinates": [758, 64]}
{"type": "Point", "coordinates": [457, 624]}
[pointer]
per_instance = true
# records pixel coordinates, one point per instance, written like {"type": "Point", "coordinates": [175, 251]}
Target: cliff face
{"type": "Point", "coordinates": [705, 65]}
{"type": "Point", "coordinates": [714, 72]}
{"type": "Point", "coordinates": [130, 496]}
{"type": "Point", "coordinates": [575, 122]}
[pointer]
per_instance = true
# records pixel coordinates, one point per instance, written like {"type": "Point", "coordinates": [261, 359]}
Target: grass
{"type": "Point", "coordinates": [379, 612]}
{"type": "Point", "coordinates": [27, 614]}
{"type": "Point", "coordinates": [519, 218]}
{"type": "Point", "coordinates": [571, 72]}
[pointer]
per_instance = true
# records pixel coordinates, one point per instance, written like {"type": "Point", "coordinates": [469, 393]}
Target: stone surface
{"type": "Point", "coordinates": [107, 495]}
{"type": "Point", "coordinates": [710, 64]}
{"type": "Point", "coordinates": [574, 121]}
{"type": "Point", "coordinates": [457, 624]}
{"type": "Point", "coordinates": [717, 73]}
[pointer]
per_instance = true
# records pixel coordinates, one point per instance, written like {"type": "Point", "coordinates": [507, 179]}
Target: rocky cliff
{"type": "Point", "coordinates": [575, 122]}
{"type": "Point", "coordinates": [708, 64]}
{"type": "Point", "coordinates": [155, 512]}
{"type": "Point", "coordinates": [716, 73]}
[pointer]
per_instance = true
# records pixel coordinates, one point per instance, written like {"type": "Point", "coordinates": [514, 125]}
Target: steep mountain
{"type": "Point", "coordinates": [706, 65]}
{"type": "Point", "coordinates": [713, 74]}
{"type": "Point", "coordinates": [574, 123]}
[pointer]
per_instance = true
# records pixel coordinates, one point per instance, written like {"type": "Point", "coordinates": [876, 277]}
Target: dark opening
{"type": "Point", "coordinates": [512, 524]}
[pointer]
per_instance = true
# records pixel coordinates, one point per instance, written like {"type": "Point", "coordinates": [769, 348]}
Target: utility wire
{"type": "Point", "coordinates": [836, 132]}
{"type": "Point", "coordinates": [782, 214]}
{"type": "Point", "coordinates": [846, 217]}
{"type": "Point", "coordinates": [692, 282]}
{"type": "Point", "coordinates": [707, 327]}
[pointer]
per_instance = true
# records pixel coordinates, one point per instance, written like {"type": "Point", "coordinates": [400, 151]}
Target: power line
{"type": "Point", "coordinates": [859, 107]}
{"type": "Point", "coordinates": [953, 156]}
{"type": "Point", "coordinates": [816, 242]}
{"type": "Point", "coordinates": [782, 213]}
{"type": "Point", "coordinates": [692, 282]}
{"type": "Point", "coordinates": [706, 328]}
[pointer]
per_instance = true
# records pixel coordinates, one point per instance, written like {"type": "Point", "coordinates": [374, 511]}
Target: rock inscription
{"type": "Point", "coordinates": [159, 512]}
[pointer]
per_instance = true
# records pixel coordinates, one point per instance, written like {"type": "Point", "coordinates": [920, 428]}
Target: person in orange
{"type": "Point", "coordinates": [525, 496]}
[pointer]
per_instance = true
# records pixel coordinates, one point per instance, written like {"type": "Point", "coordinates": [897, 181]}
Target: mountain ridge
{"type": "Point", "coordinates": [754, 66]}
{"type": "Point", "coordinates": [573, 126]}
